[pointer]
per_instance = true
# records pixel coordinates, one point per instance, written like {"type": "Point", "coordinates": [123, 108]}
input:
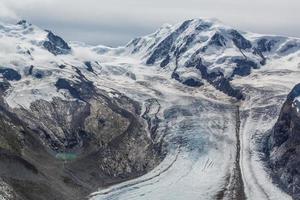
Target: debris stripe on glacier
{"type": "Point", "coordinates": [266, 90]}
{"type": "Point", "coordinates": [192, 169]}
{"type": "Point", "coordinates": [144, 187]}
{"type": "Point", "coordinates": [258, 183]}
{"type": "Point", "coordinates": [173, 93]}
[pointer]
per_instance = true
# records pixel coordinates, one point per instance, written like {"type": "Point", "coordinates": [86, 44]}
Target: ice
{"type": "Point", "coordinates": [198, 125]}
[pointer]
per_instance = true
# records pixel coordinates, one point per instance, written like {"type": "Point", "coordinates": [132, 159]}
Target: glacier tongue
{"type": "Point", "coordinates": [199, 132]}
{"type": "Point", "coordinates": [211, 141]}
{"type": "Point", "coordinates": [199, 141]}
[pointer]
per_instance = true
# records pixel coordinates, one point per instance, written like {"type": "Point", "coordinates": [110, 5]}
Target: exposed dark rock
{"type": "Point", "coordinates": [4, 85]}
{"type": "Point", "coordinates": [202, 27]}
{"type": "Point", "coordinates": [62, 66]}
{"type": "Point", "coordinates": [242, 70]}
{"type": "Point", "coordinates": [294, 93]}
{"type": "Point", "coordinates": [10, 74]}
{"type": "Point", "coordinates": [66, 149]}
{"type": "Point", "coordinates": [175, 76]}
{"type": "Point", "coordinates": [164, 47]}
{"type": "Point", "coordinates": [288, 47]}
{"type": "Point", "coordinates": [218, 40]}
{"type": "Point", "coordinates": [165, 62]}
{"type": "Point", "coordinates": [88, 64]}
{"type": "Point", "coordinates": [152, 119]}
{"type": "Point", "coordinates": [56, 45]}
{"type": "Point", "coordinates": [30, 70]}
{"type": "Point", "coordinates": [192, 82]}
{"type": "Point", "coordinates": [217, 79]}
{"type": "Point", "coordinates": [83, 89]}
{"type": "Point", "coordinates": [39, 74]}
{"type": "Point", "coordinates": [64, 84]}
{"type": "Point", "coordinates": [22, 22]}
{"type": "Point", "coordinates": [239, 41]}
{"type": "Point", "coordinates": [134, 43]}
{"type": "Point", "coordinates": [28, 52]}
{"type": "Point", "coordinates": [283, 149]}
{"type": "Point", "coordinates": [243, 67]}
{"type": "Point", "coordinates": [256, 51]}
{"type": "Point", "coordinates": [62, 122]}
{"type": "Point", "coordinates": [224, 85]}
{"type": "Point", "coordinates": [265, 45]}
{"type": "Point", "coordinates": [188, 40]}
{"type": "Point", "coordinates": [36, 73]}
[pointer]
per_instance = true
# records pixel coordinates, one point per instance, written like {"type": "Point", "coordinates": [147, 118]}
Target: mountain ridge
{"type": "Point", "coordinates": [160, 110]}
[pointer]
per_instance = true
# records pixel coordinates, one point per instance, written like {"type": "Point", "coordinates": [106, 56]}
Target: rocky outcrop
{"type": "Point", "coordinates": [164, 47]}
{"type": "Point", "coordinates": [192, 44]}
{"type": "Point", "coordinates": [284, 145]}
{"type": "Point", "coordinates": [66, 149]}
{"type": "Point", "coordinates": [239, 41]}
{"type": "Point", "coordinates": [10, 74]}
{"type": "Point", "coordinates": [216, 79]}
{"type": "Point", "coordinates": [56, 45]}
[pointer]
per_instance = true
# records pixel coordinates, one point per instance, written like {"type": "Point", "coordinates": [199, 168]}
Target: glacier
{"type": "Point", "coordinates": [208, 93]}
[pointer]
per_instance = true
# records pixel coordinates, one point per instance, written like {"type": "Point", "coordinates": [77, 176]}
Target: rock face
{"type": "Point", "coordinates": [10, 74]}
{"type": "Point", "coordinates": [284, 145]}
{"type": "Point", "coordinates": [67, 149]}
{"type": "Point", "coordinates": [190, 44]}
{"type": "Point", "coordinates": [75, 118]}
{"type": "Point", "coordinates": [56, 45]}
{"type": "Point", "coordinates": [69, 145]}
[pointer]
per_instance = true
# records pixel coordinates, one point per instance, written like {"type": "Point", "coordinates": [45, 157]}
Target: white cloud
{"type": "Point", "coordinates": [143, 16]}
{"type": "Point", "coordinates": [6, 13]}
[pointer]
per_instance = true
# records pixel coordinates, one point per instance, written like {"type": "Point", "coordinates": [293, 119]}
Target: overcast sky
{"type": "Point", "coordinates": [115, 22]}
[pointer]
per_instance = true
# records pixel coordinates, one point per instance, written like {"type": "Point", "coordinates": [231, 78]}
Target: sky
{"type": "Point", "coordinates": [116, 22]}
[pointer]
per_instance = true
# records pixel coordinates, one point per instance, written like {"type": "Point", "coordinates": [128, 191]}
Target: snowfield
{"type": "Point", "coordinates": [199, 140]}
{"type": "Point", "coordinates": [200, 135]}
{"type": "Point", "coordinates": [212, 141]}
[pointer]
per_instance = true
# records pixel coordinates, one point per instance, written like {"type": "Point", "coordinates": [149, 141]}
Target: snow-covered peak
{"type": "Point", "coordinates": [204, 49]}
{"type": "Point", "coordinates": [208, 34]}
{"type": "Point", "coordinates": [181, 77]}
{"type": "Point", "coordinates": [32, 60]}
{"type": "Point", "coordinates": [195, 53]}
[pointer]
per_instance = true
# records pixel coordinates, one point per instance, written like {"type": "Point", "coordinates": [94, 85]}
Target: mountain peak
{"type": "Point", "coordinates": [211, 50]}
{"type": "Point", "coordinates": [23, 23]}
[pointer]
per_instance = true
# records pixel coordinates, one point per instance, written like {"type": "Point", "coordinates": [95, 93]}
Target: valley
{"type": "Point", "coordinates": [187, 112]}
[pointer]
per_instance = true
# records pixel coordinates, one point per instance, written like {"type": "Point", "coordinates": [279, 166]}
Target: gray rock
{"type": "Point", "coordinates": [283, 148]}
{"type": "Point", "coordinates": [66, 149]}
{"type": "Point", "coordinates": [56, 45]}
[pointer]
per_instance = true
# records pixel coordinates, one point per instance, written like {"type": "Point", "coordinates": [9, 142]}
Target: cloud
{"type": "Point", "coordinates": [6, 13]}
{"type": "Point", "coordinates": [114, 22]}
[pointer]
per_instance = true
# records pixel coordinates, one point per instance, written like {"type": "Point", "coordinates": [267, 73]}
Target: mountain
{"type": "Point", "coordinates": [198, 110]}
{"type": "Point", "coordinates": [201, 50]}
{"type": "Point", "coordinates": [283, 143]}
{"type": "Point", "coordinates": [62, 137]}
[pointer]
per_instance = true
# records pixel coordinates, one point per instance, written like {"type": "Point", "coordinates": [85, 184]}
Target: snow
{"type": "Point", "coordinates": [200, 151]}
{"type": "Point", "coordinates": [23, 94]}
{"type": "Point", "coordinates": [183, 178]}
{"type": "Point", "coordinates": [296, 104]}
{"type": "Point", "coordinates": [197, 124]}
{"type": "Point", "coordinates": [266, 92]}
{"type": "Point", "coordinates": [258, 184]}
{"type": "Point", "coordinates": [6, 192]}
{"type": "Point", "coordinates": [181, 174]}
